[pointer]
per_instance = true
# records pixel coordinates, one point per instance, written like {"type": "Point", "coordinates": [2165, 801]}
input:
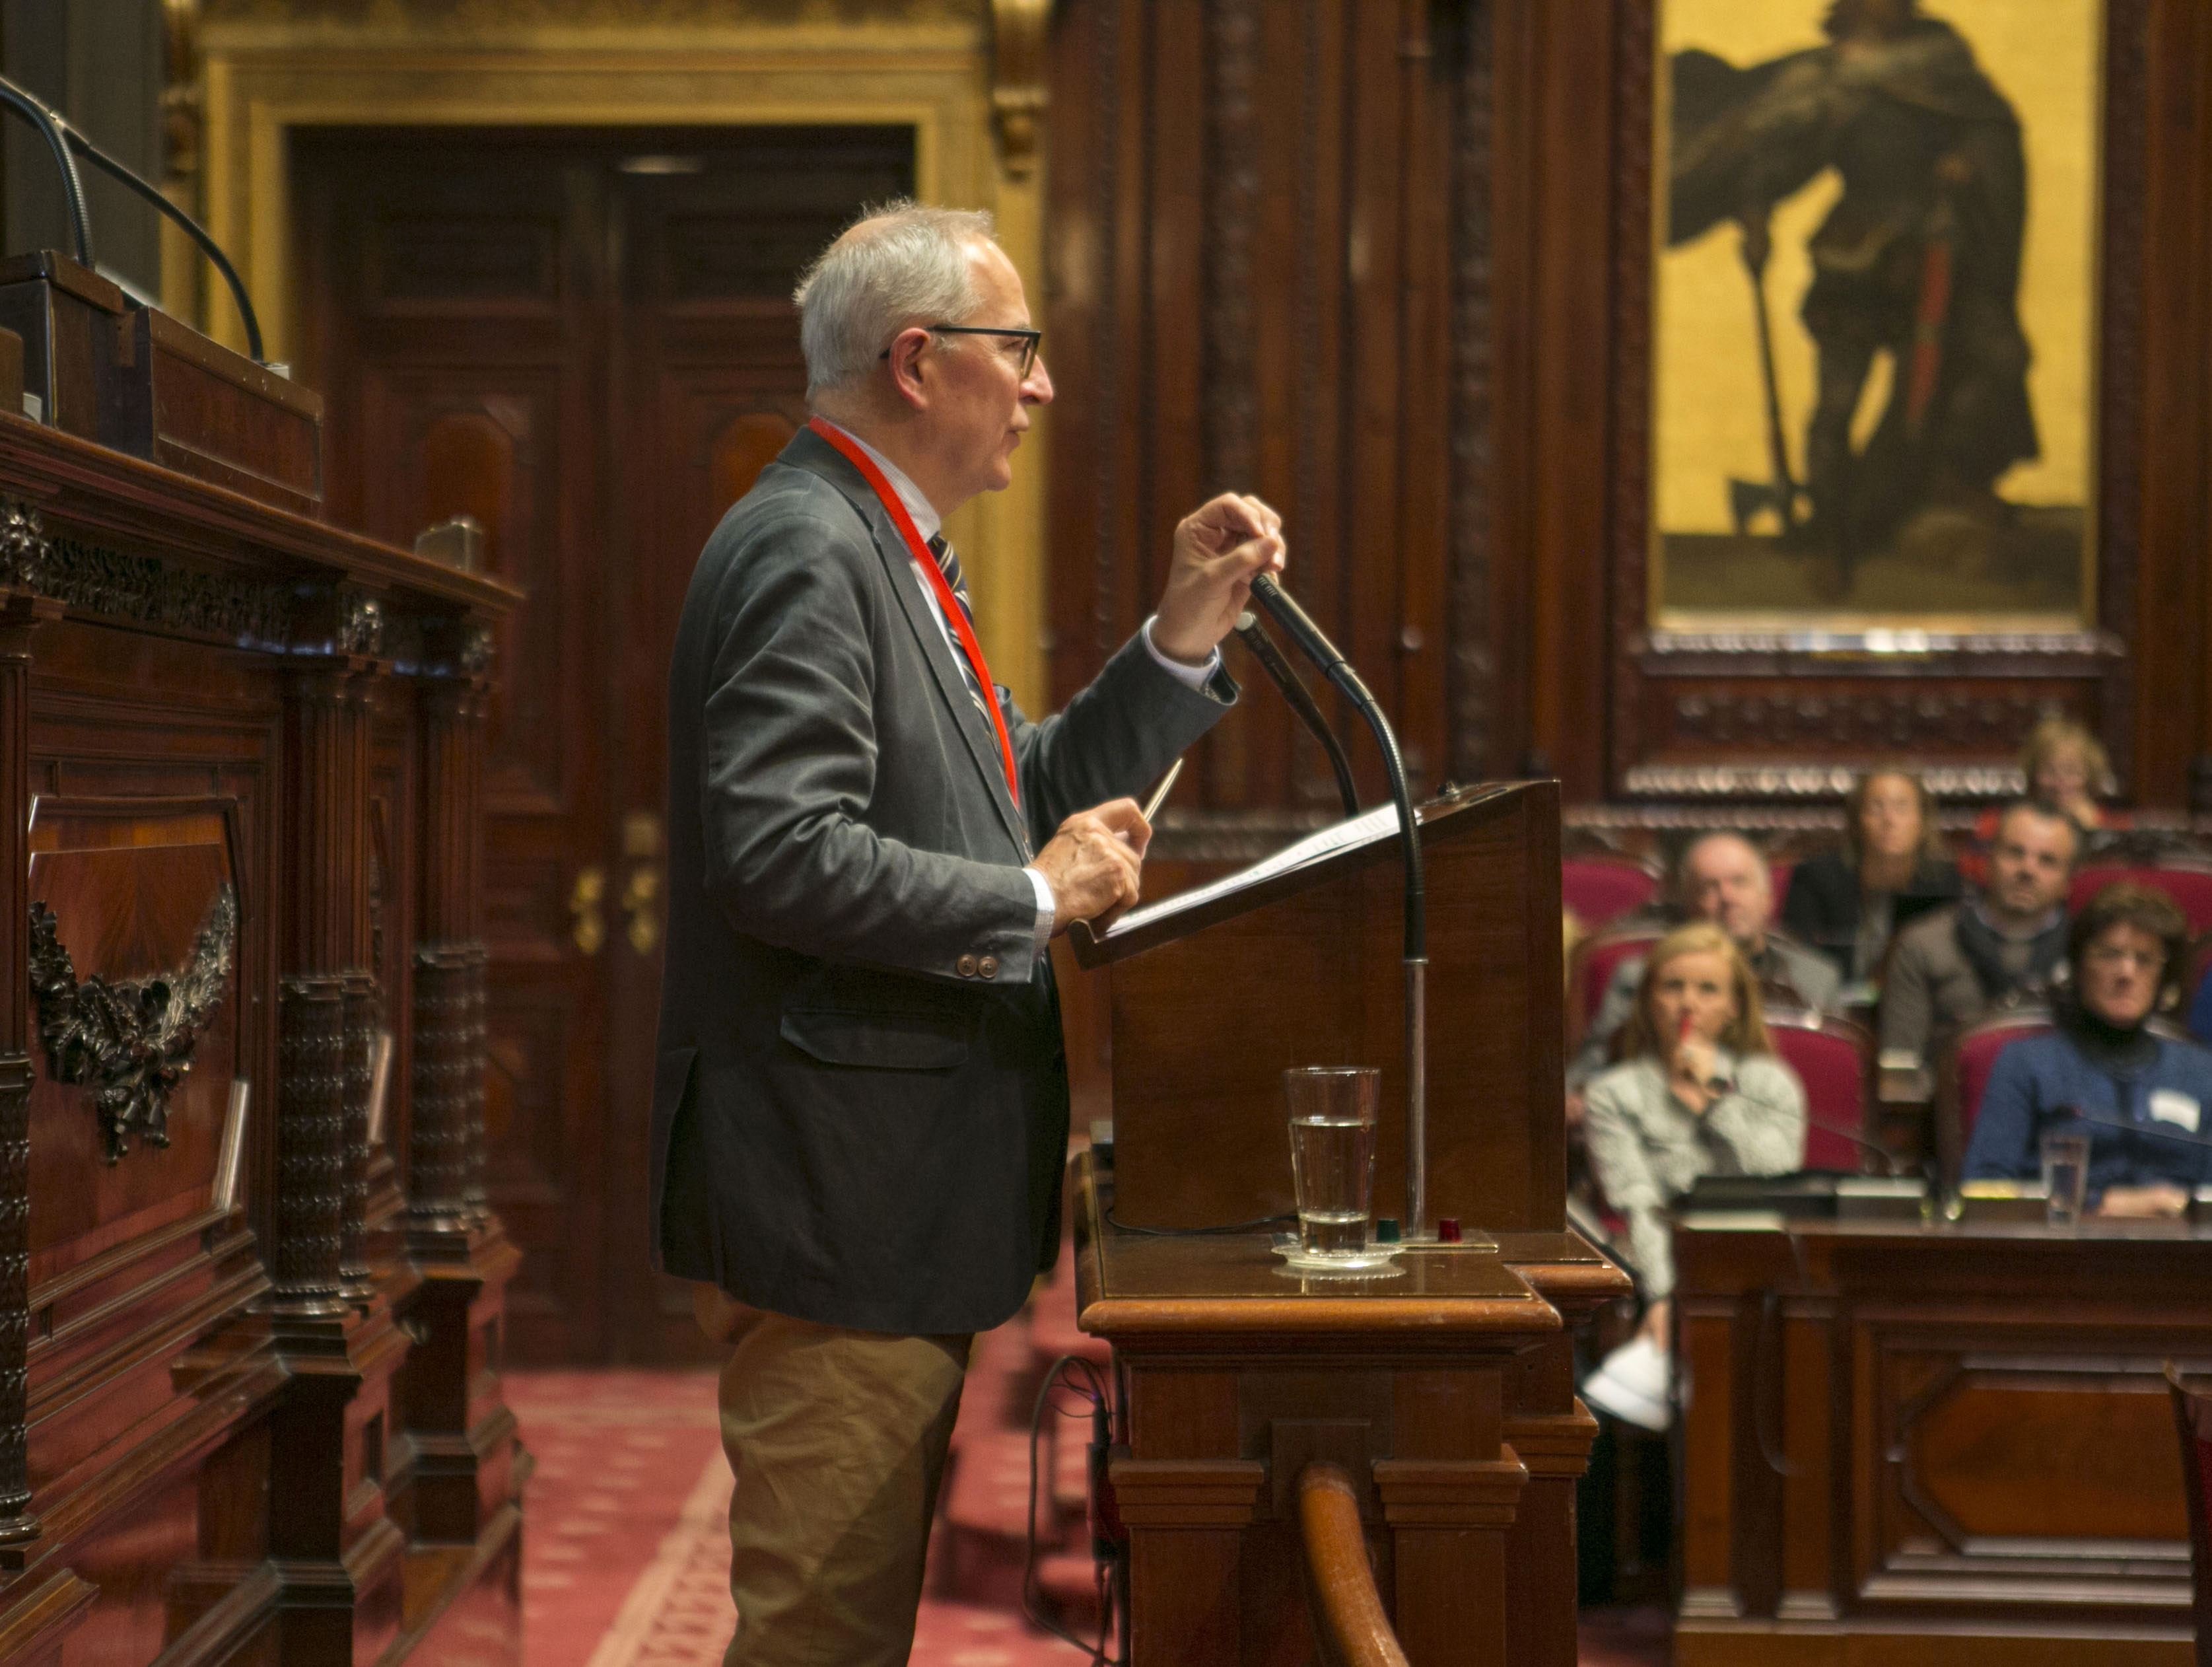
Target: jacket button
{"type": "Point", "coordinates": [965, 966]}
{"type": "Point", "coordinates": [988, 966]}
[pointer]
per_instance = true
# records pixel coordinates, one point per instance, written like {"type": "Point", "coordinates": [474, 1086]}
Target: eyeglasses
{"type": "Point", "coordinates": [1028, 338]}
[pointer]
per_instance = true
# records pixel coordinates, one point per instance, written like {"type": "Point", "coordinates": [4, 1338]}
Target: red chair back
{"type": "Point", "coordinates": [1963, 1071]}
{"type": "Point", "coordinates": [2200, 962]}
{"type": "Point", "coordinates": [2192, 1421]}
{"type": "Point", "coordinates": [1834, 1059]}
{"type": "Point", "coordinates": [2189, 885]}
{"type": "Point", "coordinates": [1596, 960]}
{"type": "Point", "coordinates": [1600, 890]}
{"type": "Point", "coordinates": [1778, 877]}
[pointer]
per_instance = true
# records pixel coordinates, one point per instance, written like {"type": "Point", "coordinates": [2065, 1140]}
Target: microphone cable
{"type": "Point", "coordinates": [1081, 1377]}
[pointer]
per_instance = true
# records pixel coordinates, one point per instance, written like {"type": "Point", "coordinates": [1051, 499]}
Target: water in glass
{"type": "Point", "coordinates": [1333, 1165]}
{"type": "Point", "coordinates": [2065, 1177]}
{"type": "Point", "coordinates": [1333, 1154]}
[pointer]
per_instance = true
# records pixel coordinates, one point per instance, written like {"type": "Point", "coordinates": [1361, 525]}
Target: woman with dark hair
{"type": "Point", "coordinates": [2139, 1096]}
{"type": "Point", "coordinates": [1890, 870]}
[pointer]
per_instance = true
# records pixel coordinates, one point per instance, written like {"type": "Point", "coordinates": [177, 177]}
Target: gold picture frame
{"type": "Point", "coordinates": [1856, 429]}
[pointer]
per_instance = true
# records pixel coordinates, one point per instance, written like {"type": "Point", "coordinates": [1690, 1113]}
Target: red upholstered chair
{"type": "Point", "coordinates": [1963, 1072]}
{"type": "Point", "coordinates": [1601, 888]}
{"type": "Point", "coordinates": [1779, 871]}
{"type": "Point", "coordinates": [2200, 962]}
{"type": "Point", "coordinates": [1834, 1058]}
{"type": "Point", "coordinates": [2188, 881]}
{"type": "Point", "coordinates": [2192, 1418]}
{"type": "Point", "coordinates": [1595, 960]}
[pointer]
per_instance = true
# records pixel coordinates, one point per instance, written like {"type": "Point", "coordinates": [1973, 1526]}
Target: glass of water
{"type": "Point", "coordinates": [2065, 1177]}
{"type": "Point", "coordinates": [1333, 1154]}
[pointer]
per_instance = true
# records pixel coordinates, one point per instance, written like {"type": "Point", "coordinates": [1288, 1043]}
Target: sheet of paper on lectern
{"type": "Point", "coordinates": [1377, 823]}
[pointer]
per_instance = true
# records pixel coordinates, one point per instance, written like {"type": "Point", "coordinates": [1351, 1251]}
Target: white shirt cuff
{"type": "Point", "coordinates": [1048, 909]}
{"type": "Point", "coordinates": [1191, 676]}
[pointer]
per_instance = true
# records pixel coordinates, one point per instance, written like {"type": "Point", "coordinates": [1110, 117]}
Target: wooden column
{"type": "Point", "coordinates": [340, 1551]}
{"type": "Point", "coordinates": [1556, 1448]}
{"type": "Point", "coordinates": [323, 734]}
{"type": "Point", "coordinates": [1187, 1520]}
{"type": "Point", "coordinates": [445, 1155]}
{"type": "Point", "coordinates": [1706, 1341]}
{"type": "Point", "coordinates": [463, 1478]}
{"type": "Point", "coordinates": [1810, 1393]}
{"type": "Point", "coordinates": [20, 616]}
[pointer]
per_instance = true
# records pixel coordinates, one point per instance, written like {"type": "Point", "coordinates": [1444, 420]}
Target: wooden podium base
{"type": "Point", "coordinates": [1445, 1392]}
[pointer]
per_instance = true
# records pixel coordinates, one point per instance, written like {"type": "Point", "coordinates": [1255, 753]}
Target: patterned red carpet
{"type": "Point", "coordinates": [625, 1558]}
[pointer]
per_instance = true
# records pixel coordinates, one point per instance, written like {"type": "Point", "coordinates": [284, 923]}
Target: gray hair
{"type": "Point", "coordinates": [902, 263]}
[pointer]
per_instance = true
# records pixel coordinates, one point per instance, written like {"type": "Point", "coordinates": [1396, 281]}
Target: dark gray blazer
{"type": "Point", "coordinates": [859, 1102]}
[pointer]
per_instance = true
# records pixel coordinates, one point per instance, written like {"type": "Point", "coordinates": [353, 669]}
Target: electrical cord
{"type": "Point", "coordinates": [1062, 1374]}
{"type": "Point", "coordinates": [1251, 1226]}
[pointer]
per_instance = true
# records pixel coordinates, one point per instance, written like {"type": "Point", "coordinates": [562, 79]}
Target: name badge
{"type": "Point", "coordinates": [2167, 1105]}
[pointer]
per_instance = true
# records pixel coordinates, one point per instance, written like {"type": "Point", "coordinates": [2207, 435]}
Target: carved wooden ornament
{"type": "Point", "coordinates": [130, 1042]}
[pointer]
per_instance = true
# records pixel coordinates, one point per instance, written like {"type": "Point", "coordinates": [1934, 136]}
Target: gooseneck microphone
{"type": "Point", "coordinates": [63, 139]}
{"type": "Point", "coordinates": [1255, 638]}
{"type": "Point", "coordinates": [1298, 625]}
{"type": "Point", "coordinates": [49, 125]}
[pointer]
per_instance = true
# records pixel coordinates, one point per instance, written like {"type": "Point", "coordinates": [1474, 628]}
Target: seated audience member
{"type": "Point", "coordinates": [1722, 879]}
{"type": "Point", "coordinates": [1890, 871]}
{"type": "Point", "coordinates": [2063, 765]}
{"type": "Point", "coordinates": [1699, 1091]}
{"type": "Point", "coordinates": [2139, 1096]}
{"type": "Point", "coordinates": [1951, 967]}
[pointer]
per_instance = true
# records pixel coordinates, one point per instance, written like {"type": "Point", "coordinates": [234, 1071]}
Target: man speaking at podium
{"type": "Point", "coordinates": [860, 1111]}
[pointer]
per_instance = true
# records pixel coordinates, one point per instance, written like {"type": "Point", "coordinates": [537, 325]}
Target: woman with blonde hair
{"type": "Point", "coordinates": [1698, 1092]}
{"type": "Point", "coordinates": [2064, 766]}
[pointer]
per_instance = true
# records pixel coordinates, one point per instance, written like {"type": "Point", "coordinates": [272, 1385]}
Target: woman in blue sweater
{"type": "Point", "coordinates": [2141, 1098]}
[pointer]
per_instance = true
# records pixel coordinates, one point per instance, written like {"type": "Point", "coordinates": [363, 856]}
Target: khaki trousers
{"type": "Point", "coordinates": [837, 1439]}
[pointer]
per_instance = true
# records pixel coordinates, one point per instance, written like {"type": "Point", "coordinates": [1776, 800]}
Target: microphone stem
{"type": "Point", "coordinates": [1309, 637]}
{"type": "Point", "coordinates": [1255, 638]}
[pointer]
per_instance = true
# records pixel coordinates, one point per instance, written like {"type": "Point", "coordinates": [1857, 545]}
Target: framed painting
{"type": "Point", "coordinates": [1874, 319]}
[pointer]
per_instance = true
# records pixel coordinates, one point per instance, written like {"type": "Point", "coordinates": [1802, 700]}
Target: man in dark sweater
{"type": "Point", "coordinates": [1950, 968]}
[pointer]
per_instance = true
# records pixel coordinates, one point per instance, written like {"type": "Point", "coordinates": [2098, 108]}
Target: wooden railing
{"type": "Point", "coordinates": [1349, 1607]}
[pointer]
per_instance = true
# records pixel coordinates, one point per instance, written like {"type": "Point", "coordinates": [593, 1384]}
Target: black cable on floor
{"type": "Point", "coordinates": [1099, 1398]}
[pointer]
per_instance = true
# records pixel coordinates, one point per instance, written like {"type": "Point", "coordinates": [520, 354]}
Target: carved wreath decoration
{"type": "Point", "coordinates": [129, 1042]}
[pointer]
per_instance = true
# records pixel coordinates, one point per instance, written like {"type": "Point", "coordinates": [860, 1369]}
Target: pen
{"type": "Point", "coordinates": [1160, 792]}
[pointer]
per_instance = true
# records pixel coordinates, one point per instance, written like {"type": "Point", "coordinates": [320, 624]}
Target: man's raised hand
{"type": "Point", "coordinates": [1219, 549]}
{"type": "Point", "coordinates": [1092, 864]}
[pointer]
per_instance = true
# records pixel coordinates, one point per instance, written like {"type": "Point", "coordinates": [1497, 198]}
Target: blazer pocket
{"type": "Point", "coordinates": [882, 1039]}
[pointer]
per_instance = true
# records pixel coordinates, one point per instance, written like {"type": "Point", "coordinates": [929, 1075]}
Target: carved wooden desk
{"type": "Point", "coordinates": [250, 1294]}
{"type": "Point", "coordinates": [1949, 1444]}
{"type": "Point", "coordinates": [1446, 1392]}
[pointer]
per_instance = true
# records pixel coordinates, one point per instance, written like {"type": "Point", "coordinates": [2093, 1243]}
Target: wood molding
{"type": "Point", "coordinates": [1018, 86]}
{"type": "Point", "coordinates": [1438, 1492]}
{"type": "Point", "coordinates": [1188, 1493]}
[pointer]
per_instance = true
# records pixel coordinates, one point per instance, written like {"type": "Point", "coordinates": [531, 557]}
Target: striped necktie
{"type": "Point", "coordinates": [948, 563]}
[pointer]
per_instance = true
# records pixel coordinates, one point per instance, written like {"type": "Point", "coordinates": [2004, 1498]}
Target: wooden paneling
{"type": "Point", "coordinates": [1390, 267]}
{"type": "Point", "coordinates": [1197, 1079]}
{"type": "Point", "coordinates": [1250, 289]}
{"type": "Point", "coordinates": [200, 1445]}
{"type": "Point", "coordinates": [1938, 1443]}
{"type": "Point", "coordinates": [1232, 1380]}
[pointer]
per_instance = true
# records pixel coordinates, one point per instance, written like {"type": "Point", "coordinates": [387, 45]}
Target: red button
{"type": "Point", "coordinates": [1448, 1230]}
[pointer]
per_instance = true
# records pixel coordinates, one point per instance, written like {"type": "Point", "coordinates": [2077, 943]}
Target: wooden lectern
{"type": "Point", "coordinates": [1447, 1391]}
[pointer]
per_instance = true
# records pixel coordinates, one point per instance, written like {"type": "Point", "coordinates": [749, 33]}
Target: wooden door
{"type": "Point", "coordinates": [584, 341]}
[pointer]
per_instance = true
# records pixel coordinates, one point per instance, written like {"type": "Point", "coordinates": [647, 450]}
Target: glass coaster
{"type": "Point", "coordinates": [1373, 1262]}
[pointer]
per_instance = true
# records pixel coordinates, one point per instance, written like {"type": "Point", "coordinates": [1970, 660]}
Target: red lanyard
{"type": "Point", "coordinates": [956, 617]}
